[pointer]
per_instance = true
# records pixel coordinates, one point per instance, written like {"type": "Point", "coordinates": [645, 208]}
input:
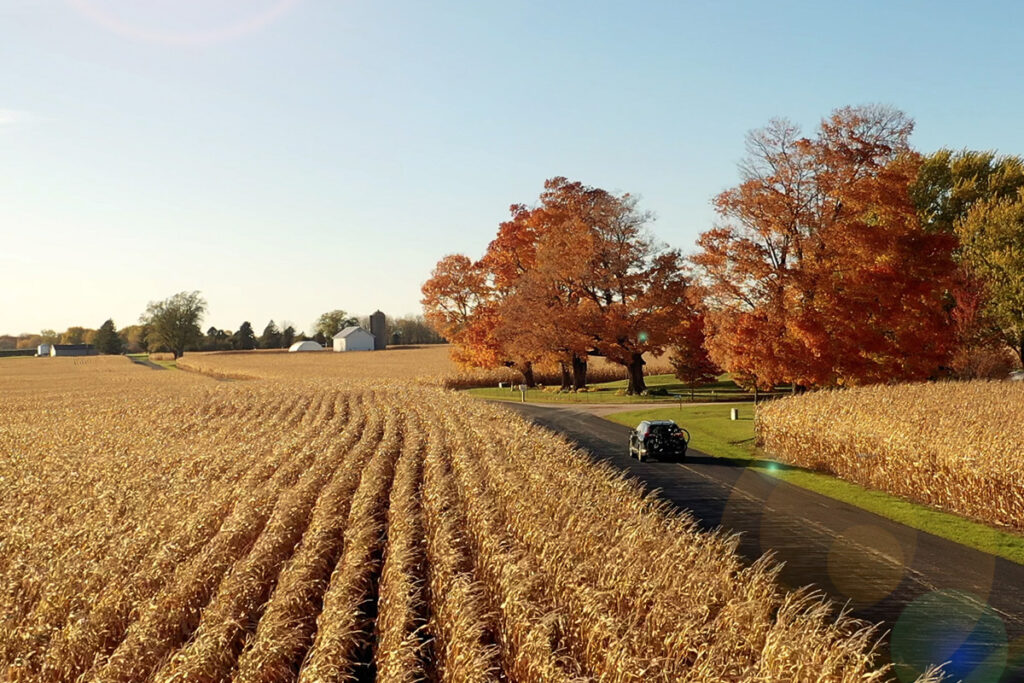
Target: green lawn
{"type": "Point", "coordinates": [614, 392]}
{"type": "Point", "coordinates": [713, 433]}
{"type": "Point", "coordinates": [143, 358]}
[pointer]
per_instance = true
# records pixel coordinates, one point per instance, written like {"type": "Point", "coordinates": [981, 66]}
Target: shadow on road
{"type": "Point", "coordinates": [936, 600]}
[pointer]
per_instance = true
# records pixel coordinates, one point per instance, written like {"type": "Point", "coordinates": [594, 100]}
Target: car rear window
{"type": "Point", "coordinates": [664, 429]}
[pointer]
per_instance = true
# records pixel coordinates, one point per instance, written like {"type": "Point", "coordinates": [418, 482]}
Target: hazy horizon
{"type": "Point", "coordinates": [289, 157]}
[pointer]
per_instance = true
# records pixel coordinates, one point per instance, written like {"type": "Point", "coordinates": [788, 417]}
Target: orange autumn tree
{"type": "Point", "coordinates": [492, 313]}
{"type": "Point", "coordinates": [822, 273]}
{"type": "Point", "coordinates": [579, 274]}
{"type": "Point", "coordinates": [458, 302]}
{"type": "Point", "coordinates": [690, 358]}
{"type": "Point", "coordinates": [510, 255]}
{"type": "Point", "coordinates": [537, 322]}
{"type": "Point", "coordinates": [463, 300]}
{"type": "Point", "coordinates": [623, 292]}
{"type": "Point", "coordinates": [547, 310]}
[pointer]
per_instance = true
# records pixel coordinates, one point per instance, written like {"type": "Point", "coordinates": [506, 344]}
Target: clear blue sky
{"type": "Point", "coordinates": [288, 157]}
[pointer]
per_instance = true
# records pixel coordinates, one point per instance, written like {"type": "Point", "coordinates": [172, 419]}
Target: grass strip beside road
{"type": "Point", "coordinates": [662, 387]}
{"type": "Point", "coordinates": [713, 433]}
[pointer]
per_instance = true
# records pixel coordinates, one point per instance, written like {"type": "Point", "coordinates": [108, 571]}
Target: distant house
{"type": "Point", "coordinates": [353, 338]}
{"type": "Point", "coordinates": [72, 350]}
{"type": "Point", "coordinates": [307, 345]}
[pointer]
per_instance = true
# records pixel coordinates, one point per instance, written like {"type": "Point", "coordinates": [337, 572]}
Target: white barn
{"type": "Point", "coordinates": [353, 338]}
{"type": "Point", "coordinates": [308, 345]}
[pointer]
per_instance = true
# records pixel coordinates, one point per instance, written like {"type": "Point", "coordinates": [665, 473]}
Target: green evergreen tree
{"type": "Point", "coordinates": [216, 340]}
{"type": "Point", "coordinates": [108, 340]}
{"type": "Point", "coordinates": [271, 337]}
{"type": "Point", "coordinates": [244, 339]}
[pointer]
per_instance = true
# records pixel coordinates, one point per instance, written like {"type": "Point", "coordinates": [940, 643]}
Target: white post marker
{"type": "Point", "coordinates": [734, 413]}
{"type": "Point", "coordinates": [522, 393]}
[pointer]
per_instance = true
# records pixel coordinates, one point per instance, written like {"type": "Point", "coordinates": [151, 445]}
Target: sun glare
{"type": "Point", "coordinates": [183, 23]}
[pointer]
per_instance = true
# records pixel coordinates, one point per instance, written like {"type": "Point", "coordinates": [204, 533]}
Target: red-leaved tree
{"type": "Point", "coordinates": [821, 273]}
{"type": "Point", "coordinates": [576, 275]}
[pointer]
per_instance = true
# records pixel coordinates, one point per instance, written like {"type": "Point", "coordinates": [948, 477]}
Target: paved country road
{"type": "Point", "coordinates": [940, 601]}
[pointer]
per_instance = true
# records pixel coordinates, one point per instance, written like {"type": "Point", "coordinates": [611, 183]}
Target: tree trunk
{"type": "Point", "coordinates": [635, 368]}
{"type": "Point", "coordinates": [1020, 348]}
{"type": "Point", "coordinates": [579, 372]}
{"type": "Point", "coordinates": [527, 370]}
{"type": "Point", "coordinates": [692, 385]}
{"type": "Point", "coordinates": [566, 379]}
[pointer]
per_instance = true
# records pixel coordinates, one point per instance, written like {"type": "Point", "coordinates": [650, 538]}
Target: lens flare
{"type": "Point", "coordinates": [122, 19]}
{"type": "Point", "coordinates": [950, 626]}
{"type": "Point", "coordinates": [866, 563]}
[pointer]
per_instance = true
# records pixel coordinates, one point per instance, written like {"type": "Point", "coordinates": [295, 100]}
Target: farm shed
{"type": "Point", "coordinates": [353, 338]}
{"type": "Point", "coordinates": [72, 350]}
{"type": "Point", "coordinates": [307, 345]}
{"type": "Point", "coordinates": [43, 350]}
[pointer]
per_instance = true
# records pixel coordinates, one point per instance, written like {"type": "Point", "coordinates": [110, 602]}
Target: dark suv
{"type": "Point", "coordinates": [659, 439]}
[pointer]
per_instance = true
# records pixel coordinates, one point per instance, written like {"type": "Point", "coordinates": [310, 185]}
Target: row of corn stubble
{"type": "Point", "coordinates": [275, 531]}
{"type": "Point", "coordinates": [957, 446]}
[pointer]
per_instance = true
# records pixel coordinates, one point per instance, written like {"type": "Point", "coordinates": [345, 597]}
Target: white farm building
{"type": "Point", "coordinates": [353, 338]}
{"type": "Point", "coordinates": [307, 345]}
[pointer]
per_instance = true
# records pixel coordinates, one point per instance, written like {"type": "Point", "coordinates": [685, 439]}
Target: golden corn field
{"type": "Point", "coordinates": [163, 526]}
{"type": "Point", "coordinates": [429, 365]}
{"type": "Point", "coordinates": [958, 446]}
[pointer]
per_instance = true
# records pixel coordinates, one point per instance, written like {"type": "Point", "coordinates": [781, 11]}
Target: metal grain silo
{"type": "Point", "coordinates": [379, 330]}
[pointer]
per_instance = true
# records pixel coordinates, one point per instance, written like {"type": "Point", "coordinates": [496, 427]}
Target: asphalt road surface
{"type": "Point", "coordinates": [939, 601]}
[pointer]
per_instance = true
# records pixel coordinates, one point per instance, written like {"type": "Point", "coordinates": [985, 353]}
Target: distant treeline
{"type": "Point", "coordinates": [5, 353]}
{"type": "Point", "coordinates": [409, 329]}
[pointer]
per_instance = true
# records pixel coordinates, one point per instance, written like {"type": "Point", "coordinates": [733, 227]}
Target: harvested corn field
{"type": "Point", "coordinates": [958, 446]}
{"type": "Point", "coordinates": [430, 365]}
{"type": "Point", "coordinates": [161, 526]}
